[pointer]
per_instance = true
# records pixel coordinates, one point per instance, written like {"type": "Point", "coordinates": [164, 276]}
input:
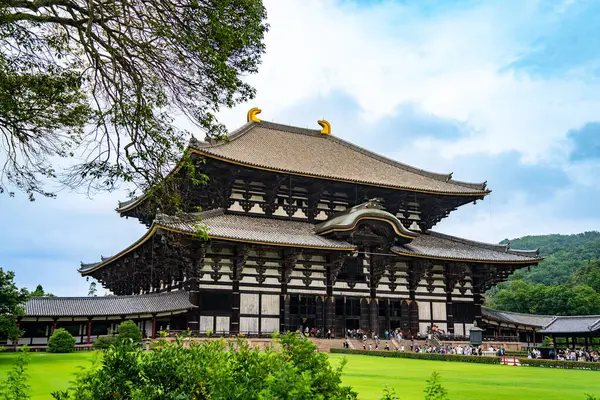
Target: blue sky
{"type": "Point", "coordinates": [503, 91]}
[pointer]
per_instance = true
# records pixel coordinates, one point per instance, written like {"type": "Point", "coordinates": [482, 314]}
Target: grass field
{"type": "Point", "coordinates": [50, 372]}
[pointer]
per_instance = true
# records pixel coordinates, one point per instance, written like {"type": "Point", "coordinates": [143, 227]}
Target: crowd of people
{"type": "Point", "coordinates": [317, 333]}
{"type": "Point", "coordinates": [570, 355]}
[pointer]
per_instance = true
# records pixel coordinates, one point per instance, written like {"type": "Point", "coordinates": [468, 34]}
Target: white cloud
{"type": "Point", "coordinates": [492, 222]}
{"type": "Point", "coordinates": [449, 64]}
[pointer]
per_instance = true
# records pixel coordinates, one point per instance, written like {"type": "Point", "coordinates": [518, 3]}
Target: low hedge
{"type": "Point", "coordinates": [516, 353]}
{"type": "Point", "coordinates": [594, 366]}
{"type": "Point", "coordinates": [473, 359]}
{"type": "Point", "coordinates": [422, 356]}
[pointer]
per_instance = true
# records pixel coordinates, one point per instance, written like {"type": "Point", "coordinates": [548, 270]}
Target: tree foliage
{"type": "Point", "coordinates": [566, 282]}
{"type": "Point", "coordinates": [12, 299]}
{"type": "Point", "coordinates": [61, 341]}
{"type": "Point", "coordinates": [210, 369]}
{"type": "Point", "coordinates": [101, 81]}
{"type": "Point", "coordinates": [39, 292]}
{"type": "Point", "coordinates": [128, 330]}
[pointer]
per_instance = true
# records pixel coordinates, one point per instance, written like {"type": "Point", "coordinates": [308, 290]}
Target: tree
{"type": "Point", "coordinates": [128, 330]}
{"type": "Point", "coordinates": [61, 341]}
{"type": "Point", "coordinates": [39, 292]}
{"type": "Point", "coordinates": [92, 290]}
{"type": "Point", "coordinates": [100, 81]}
{"type": "Point", "coordinates": [11, 305]}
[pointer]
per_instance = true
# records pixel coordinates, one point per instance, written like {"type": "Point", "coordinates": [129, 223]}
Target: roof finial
{"type": "Point", "coordinates": [326, 127]}
{"type": "Point", "coordinates": [252, 114]}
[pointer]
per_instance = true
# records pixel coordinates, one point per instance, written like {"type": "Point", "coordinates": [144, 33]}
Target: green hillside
{"type": "Point", "coordinates": [563, 254]}
{"type": "Point", "coordinates": [567, 282]}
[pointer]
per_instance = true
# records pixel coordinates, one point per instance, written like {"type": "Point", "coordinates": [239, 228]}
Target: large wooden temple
{"type": "Point", "coordinates": [299, 228]}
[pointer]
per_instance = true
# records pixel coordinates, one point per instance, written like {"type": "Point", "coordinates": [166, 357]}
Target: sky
{"type": "Point", "coordinates": [503, 91]}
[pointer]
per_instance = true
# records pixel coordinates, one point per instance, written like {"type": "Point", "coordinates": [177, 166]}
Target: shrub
{"type": "Point", "coordinates": [422, 356]}
{"type": "Point", "coordinates": [560, 364]}
{"type": "Point", "coordinates": [434, 389]}
{"type": "Point", "coordinates": [104, 342]}
{"type": "Point", "coordinates": [15, 385]}
{"type": "Point", "coordinates": [211, 369]}
{"type": "Point", "coordinates": [129, 330]}
{"type": "Point", "coordinates": [61, 341]}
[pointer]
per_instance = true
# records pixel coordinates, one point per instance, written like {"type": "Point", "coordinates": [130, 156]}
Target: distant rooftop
{"type": "Point", "coordinates": [108, 305]}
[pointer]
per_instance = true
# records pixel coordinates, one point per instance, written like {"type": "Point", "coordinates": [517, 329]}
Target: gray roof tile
{"type": "Point", "coordinates": [538, 321]}
{"type": "Point", "coordinates": [306, 151]}
{"type": "Point", "coordinates": [574, 324]}
{"type": "Point", "coordinates": [442, 246]}
{"type": "Point", "coordinates": [247, 228]}
{"type": "Point", "coordinates": [107, 305]}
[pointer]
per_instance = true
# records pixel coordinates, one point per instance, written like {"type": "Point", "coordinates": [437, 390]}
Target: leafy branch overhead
{"type": "Point", "coordinates": [99, 82]}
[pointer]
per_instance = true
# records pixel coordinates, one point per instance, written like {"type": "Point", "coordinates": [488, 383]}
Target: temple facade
{"type": "Point", "coordinates": [297, 228]}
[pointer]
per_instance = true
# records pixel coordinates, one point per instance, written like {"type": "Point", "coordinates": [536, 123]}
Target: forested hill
{"type": "Point", "coordinates": [567, 282]}
{"type": "Point", "coordinates": [563, 255]}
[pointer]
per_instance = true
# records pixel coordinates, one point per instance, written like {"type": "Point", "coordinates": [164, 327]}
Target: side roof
{"type": "Point", "coordinates": [440, 246]}
{"type": "Point", "coordinates": [108, 305]}
{"type": "Point", "coordinates": [574, 324]}
{"type": "Point", "coordinates": [278, 232]}
{"type": "Point", "coordinates": [537, 321]}
{"type": "Point", "coordinates": [308, 152]}
{"type": "Point", "coordinates": [236, 228]}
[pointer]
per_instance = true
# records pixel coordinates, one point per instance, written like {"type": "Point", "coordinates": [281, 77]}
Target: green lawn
{"type": "Point", "coordinates": [50, 372]}
{"type": "Point", "coordinates": [463, 381]}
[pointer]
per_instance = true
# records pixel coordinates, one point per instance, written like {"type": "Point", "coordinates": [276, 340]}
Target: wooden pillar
{"type": "Point", "coordinates": [89, 330]}
{"type": "Point", "coordinates": [153, 326]}
{"type": "Point", "coordinates": [554, 346]}
{"type": "Point", "coordinates": [54, 324]}
{"type": "Point", "coordinates": [517, 333]}
{"type": "Point", "coordinates": [373, 302]}
{"type": "Point", "coordinates": [586, 342]}
{"type": "Point", "coordinates": [329, 303]}
{"type": "Point", "coordinates": [449, 313]}
{"type": "Point", "coordinates": [241, 255]}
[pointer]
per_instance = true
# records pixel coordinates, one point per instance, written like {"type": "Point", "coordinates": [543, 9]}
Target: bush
{"type": "Point", "coordinates": [129, 330]}
{"type": "Point", "coordinates": [422, 356]}
{"type": "Point", "coordinates": [15, 386]}
{"type": "Point", "coordinates": [594, 366]}
{"type": "Point", "coordinates": [104, 342]}
{"type": "Point", "coordinates": [61, 341]}
{"type": "Point", "coordinates": [212, 369]}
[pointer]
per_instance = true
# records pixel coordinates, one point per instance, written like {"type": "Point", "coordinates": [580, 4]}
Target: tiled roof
{"type": "Point", "coordinates": [538, 321]}
{"type": "Point", "coordinates": [240, 228]}
{"type": "Point", "coordinates": [348, 219]}
{"type": "Point", "coordinates": [247, 228]}
{"type": "Point", "coordinates": [308, 152]}
{"type": "Point", "coordinates": [576, 324]}
{"type": "Point", "coordinates": [107, 305]}
{"type": "Point", "coordinates": [301, 151]}
{"type": "Point", "coordinates": [440, 246]}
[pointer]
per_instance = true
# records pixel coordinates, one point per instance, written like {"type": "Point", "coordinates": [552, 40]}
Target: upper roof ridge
{"type": "Point", "coordinates": [317, 133]}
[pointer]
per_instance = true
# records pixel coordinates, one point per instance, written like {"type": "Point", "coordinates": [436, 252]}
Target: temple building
{"type": "Point", "coordinates": [294, 228]}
